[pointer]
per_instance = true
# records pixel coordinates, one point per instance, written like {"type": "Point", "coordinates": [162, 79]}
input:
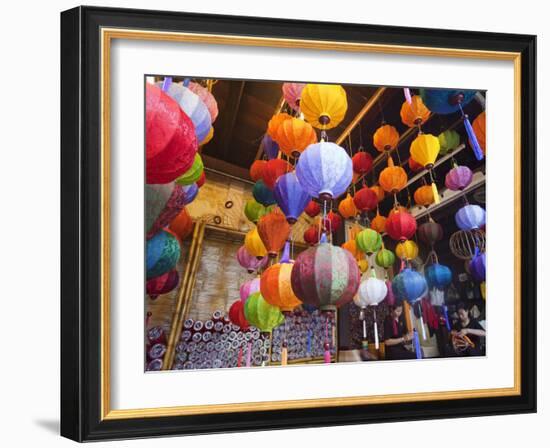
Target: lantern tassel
{"type": "Point", "coordinates": [376, 341]}
{"type": "Point", "coordinates": [327, 356]}
{"type": "Point", "coordinates": [435, 193]}
{"type": "Point", "coordinates": [446, 315]}
{"type": "Point", "coordinates": [248, 354]}
{"type": "Point", "coordinates": [364, 328]}
{"type": "Point", "coordinates": [166, 83]}
{"type": "Point", "coordinates": [473, 139]}
{"type": "Point", "coordinates": [417, 345]}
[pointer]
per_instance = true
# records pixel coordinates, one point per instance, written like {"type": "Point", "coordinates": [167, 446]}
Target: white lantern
{"type": "Point", "coordinates": [370, 293]}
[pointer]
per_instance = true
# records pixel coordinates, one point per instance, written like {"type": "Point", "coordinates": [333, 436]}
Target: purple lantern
{"type": "Point", "coordinates": [458, 178]}
{"type": "Point", "coordinates": [250, 262]}
{"type": "Point", "coordinates": [470, 217]}
{"type": "Point", "coordinates": [290, 196]}
{"type": "Point", "coordinates": [271, 148]}
{"type": "Point", "coordinates": [249, 287]}
{"type": "Point", "coordinates": [191, 192]}
{"type": "Point", "coordinates": [292, 92]}
{"type": "Point", "coordinates": [477, 266]}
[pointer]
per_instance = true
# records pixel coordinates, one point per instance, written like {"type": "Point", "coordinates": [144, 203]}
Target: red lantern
{"type": "Point", "coordinates": [312, 209]}
{"type": "Point", "coordinates": [201, 180]}
{"type": "Point", "coordinates": [236, 315]}
{"type": "Point", "coordinates": [362, 162]}
{"type": "Point", "coordinates": [414, 165]}
{"type": "Point", "coordinates": [273, 169]}
{"type": "Point", "coordinates": [257, 169]}
{"type": "Point", "coordinates": [182, 225]}
{"type": "Point", "coordinates": [365, 199]}
{"type": "Point", "coordinates": [311, 236]}
{"type": "Point", "coordinates": [332, 222]}
{"type": "Point", "coordinates": [400, 225]}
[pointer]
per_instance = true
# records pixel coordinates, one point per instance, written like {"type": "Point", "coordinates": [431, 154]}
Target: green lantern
{"type": "Point", "coordinates": [262, 315]}
{"type": "Point", "coordinates": [192, 174]}
{"type": "Point", "coordinates": [254, 210]}
{"type": "Point", "coordinates": [368, 241]}
{"type": "Point", "coordinates": [448, 141]}
{"type": "Point", "coordinates": [385, 258]}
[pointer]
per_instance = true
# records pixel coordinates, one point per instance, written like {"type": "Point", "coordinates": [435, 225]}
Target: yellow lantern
{"type": "Point", "coordinates": [424, 150]}
{"type": "Point", "coordinates": [208, 137]}
{"type": "Point", "coordinates": [363, 265]}
{"type": "Point", "coordinates": [415, 113]}
{"type": "Point", "coordinates": [407, 250]}
{"type": "Point", "coordinates": [275, 122]}
{"type": "Point", "coordinates": [378, 223]}
{"type": "Point", "coordinates": [294, 135]}
{"type": "Point", "coordinates": [347, 207]}
{"type": "Point", "coordinates": [424, 195]}
{"type": "Point", "coordinates": [254, 245]}
{"type": "Point", "coordinates": [324, 105]}
{"type": "Point", "coordinates": [385, 138]}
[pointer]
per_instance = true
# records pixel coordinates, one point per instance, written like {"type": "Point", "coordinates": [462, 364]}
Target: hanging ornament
{"type": "Point", "coordinates": [325, 276]}
{"type": "Point", "coordinates": [237, 316]}
{"type": "Point", "coordinates": [275, 122]}
{"type": "Point", "coordinates": [414, 113]}
{"type": "Point", "coordinates": [362, 163]}
{"type": "Point", "coordinates": [312, 209]}
{"type": "Point", "coordinates": [465, 243]}
{"type": "Point", "coordinates": [202, 180]}
{"type": "Point", "coordinates": [294, 135]}
{"type": "Point", "coordinates": [470, 217]}
{"type": "Point", "coordinates": [424, 149]}
{"type": "Point", "coordinates": [444, 101]}
{"type": "Point", "coordinates": [254, 210]}
{"type": "Point", "coordinates": [324, 105]}
{"type": "Point", "coordinates": [351, 247]}
{"type": "Point", "coordinates": [438, 276]}
{"type": "Point", "coordinates": [206, 97]}
{"type": "Point", "coordinates": [262, 194]}
{"type": "Point", "coordinates": [274, 230]}
{"type": "Point", "coordinates": [257, 169]}
{"type": "Point", "coordinates": [430, 232]}
{"type": "Point", "coordinates": [273, 170]}
{"type": "Point", "coordinates": [254, 244]}
{"type": "Point", "coordinates": [191, 192]}
{"type": "Point", "coordinates": [311, 236]}
{"type": "Point", "coordinates": [332, 222]}
{"type": "Point", "coordinates": [392, 178]}
{"type": "Point", "coordinates": [369, 241]}
{"type": "Point", "coordinates": [163, 203]}
{"type": "Point", "coordinates": [365, 199]}
{"type": "Point", "coordinates": [458, 178]}
{"type": "Point", "coordinates": [324, 170]}
{"type": "Point", "coordinates": [162, 284]}
{"type": "Point", "coordinates": [290, 196]}
{"type": "Point", "coordinates": [449, 140]}
{"type": "Point", "coordinates": [182, 225]}
{"type": "Point", "coordinates": [479, 130]}
{"type": "Point", "coordinates": [292, 91]}
{"type": "Point", "coordinates": [162, 253]}
{"type": "Point", "coordinates": [208, 137]}
{"type": "Point", "coordinates": [400, 225]}
{"type": "Point", "coordinates": [193, 174]}
{"type": "Point", "coordinates": [380, 193]}
{"type": "Point", "coordinates": [347, 208]}
{"type": "Point", "coordinates": [248, 288]}
{"type": "Point", "coordinates": [363, 265]}
{"type": "Point", "coordinates": [270, 147]}
{"type": "Point", "coordinates": [409, 285]}
{"type": "Point", "coordinates": [385, 258]}
{"type": "Point", "coordinates": [370, 293]}
{"type": "Point", "coordinates": [424, 196]}
{"type": "Point", "coordinates": [477, 266]}
{"type": "Point", "coordinates": [406, 250]}
{"type": "Point", "coordinates": [171, 143]}
{"type": "Point", "coordinates": [385, 138]}
{"type": "Point", "coordinates": [378, 223]}
{"type": "Point", "coordinates": [250, 262]}
{"type": "Point", "coordinates": [262, 315]}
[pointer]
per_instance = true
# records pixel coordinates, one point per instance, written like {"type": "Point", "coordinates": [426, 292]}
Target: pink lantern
{"type": "Point", "coordinates": [250, 262]}
{"type": "Point", "coordinates": [249, 287]}
{"type": "Point", "coordinates": [207, 98]}
{"type": "Point", "coordinates": [458, 178]}
{"type": "Point", "coordinates": [292, 92]}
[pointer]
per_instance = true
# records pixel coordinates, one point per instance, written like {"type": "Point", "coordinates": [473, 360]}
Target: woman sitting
{"type": "Point", "coordinates": [396, 335]}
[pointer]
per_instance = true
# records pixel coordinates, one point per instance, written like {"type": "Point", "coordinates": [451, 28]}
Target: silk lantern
{"type": "Point", "coordinates": [365, 199]}
{"type": "Point", "coordinates": [385, 138]}
{"type": "Point", "coordinates": [208, 137]}
{"type": "Point", "coordinates": [206, 97]}
{"type": "Point", "coordinates": [478, 267]}
{"type": "Point", "coordinates": [257, 169]}
{"type": "Point", "coordinates": [182, 225]}
{"type": "Point", "coordinates": [162, 253]}
{"type": "Point", "coordinates": [332, 222]}
{"type": "Point", "coordinates": [270, 147]}
{"type": "Point", "coordinates": [351, 247]}
{"type": "Point", "coordinates": [400, 225]}
{"type": "Point", "coordinates": [423, 195]}
{"type": "Point", "coordinates": [274, 230]}
{"type": "Point", "coordinates": [162, 208]}
{"type": "Point", "coordinates": [448, 141]}
{"type": "Point", "coordinates": [362, 163]}
{"type": "Point", "coordinates": [263, 194]}
{"type": "Point", "coordinates": [325, 276]}
{"type": "Point", "coordinates": [254, 244]}
{"type": "Point", "coordinates": [369, 241]}
{"type": "Point", "coordinates": [458, 178]}
{"type": "Point", "coordinates": [324, 105]}
{"type": "Point", "coordinates": [324, 170]}
{"type": "Point", "coordinates": [191, 192]}
{"type": "Point", "coordinates": [262, 315]}
{"type": "Point", "coordinates": [392, 178]}
{"type": "Point", "coordinates": [446, 101]}
{"type": "Point", "coordinates": [273, 170]}
{"type": "Point", "coordinates": [275, 285]}
{"type": "Point", "coordinates": [275, 122]}
{"type": "Point", "coordinates": [193, 174]}
{"type": "Point", "coordinates": [202, 180]}
{"type": "Point", "coordinates": [290, 196]}
{"type": "Point", "coordinates": [414, 113]}
{"type": "Point", "coordinates": [430, 232]}
{"type": "Point", "coordinates": [370, 293]}
{"type": "Point", "coordinates": [424, 149]}
{"type": "Point", "coordinates": [385, 258]}
{"type": "Point", "coordinates": [409, 285]}
{"type": "Point", "coordinates": [250, 262]}
{"type": "Point", "coordinates": [170, 137]}
{"type": "Point", "coordinates": [312, 209]}
{"type": "Point", "coordinates": [248, 288]}
{"type": "Point", "coordinates": [162, 284]}
{"type": "Point", "coordinates": [438, 276]}
{"type": "Point", "coordinates": [347, 208]}
{"type": "Point", "coordinates": [294, 135]}
{"type": "Point", "coordinates": [470, 217]}
{"type": "Point", "coordinates": [406, 250]}
{"type": "Point", "coordinates": [479, 130]}
{"type": "Point", "coordinates": [363, 265]}
{"type": "Point", "coordinates": [379, 192]}
{"type": "Point", "coordinates": [311, 235]}
{"type": "Point", "coordinates": [292, 92]}
{"type": "Point", "coordinates": [414, 165]}
{"type": "Point", "coordinates": [378, 223]}
{"type": "Point", "coordinates": [237, 316]}
{"type": "Point", "coordinates": [254, 210]}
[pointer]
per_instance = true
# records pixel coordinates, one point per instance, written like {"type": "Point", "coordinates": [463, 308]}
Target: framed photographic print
{"type": "Point", "coordinates": [276, 224]}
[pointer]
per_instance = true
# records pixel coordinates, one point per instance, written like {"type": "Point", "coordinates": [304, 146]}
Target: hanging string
{"type": "Point", "coordinates": [407, 94]}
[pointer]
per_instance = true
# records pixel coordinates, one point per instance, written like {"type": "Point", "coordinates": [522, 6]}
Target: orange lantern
{"type": "Point", "coordinates": [257, 169]}
{"type": "Point", "coordinates": [393, 178]}
{"type": "Point", "coordinates": [294, 135]}
{"type": "Point", "coordinates": [275, 122]}
{"type": "Point", "coordinates": [182, 225]}
{"type": "Point", "coordinates": [275, 286]}
{"type": "Point", "coordinates": [415, 113]}
{"type": "Point", "coordinates": [479, 130]}
{"type": "Point", "coordinates": [347, 207]}
{"type": "Point", "coordinates": [385, 138]}
{"type": "Point", "coordinates": [274, 230]}
{"type": "Point", "coordinates": [424, 195]}
{"type": "Point", "coordinates": [354, 230]}
{"type": "Point", "coordinates": [351, 247]}
{"type": "Point", "coordinates": [378, 223]}
{"type": "Point", "coordinates": [379, 192]}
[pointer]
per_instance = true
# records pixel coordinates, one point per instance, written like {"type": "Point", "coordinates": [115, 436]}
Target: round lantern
{"type": "Point", "coordinates": [312, 209]}
{"type": "Point", "coordinates": [361, 162]}
{"type": "Point", "coordinates": [294, 135]}
{"type": "Point", "coordinates": [324, 170]}
{"type": "Point", "coordinates": [371, 292]}
{"type": "Point", "coordinates": [369, 241]}
{"type": "Point", "coordinates": [470, 217]}
{"type": "Point", "coordinates": [414, 165]}
{"type": "Point", "coordinates": [332, 222]}
{"type": "Point", "coordinates": [477, 267]}
{"type": "Point", "coordinates": [430, 232]}
{"type": "Point", "coordinates": [182, 225]}
{"type": "Point", "coordinates": [162, 253]}
{"type": "Point", "coordinates": [270, 147]}
{"type": "Point", "coordinates": [254, 244]}
{"type": "Point", "coordinates": [400, 225]}
{"type": "Point", "coordinates": [162, 284]}
{"type": "Point", "coordinates": [311, 235]}
{"type": "Point", "coordinates": [262, 194]}
{"type": "Point", "coordinates": [254, 210]}
{"type": "Point", "coordinates": [479, 130]}
{"type": "Point", "coordinates": [458, 178]}
{"type": "Point", "coordinates": [171, 142]}
{"type": "Point", "coordinates": [325, 276]}
{"type": "Point", "coordinates": [163, 202]}
{"type": "Point", "coordinates": [191, 192]}
{"type": "Point", "coordinates": [257, 169]}
{"type": "Point", "coordinates": [414, 113]}
{"type": "Point", "coordinates": [424, 149]}
{"type": "Point", "coordinates": [424, 195]}
{"type": "Point", "coordinates": [365, 199]}
{"type": "Point", "coordinates": [324, 105]}
{"type": "Point", "coordinates": [237, 316]}
{"type": "Point", "coordinates": [392, 178]}
{"type": "Point", "coordinates": [409, 285]}
{"type": "Point", "coordinates": [206, 97]}
{"type": "Point", "coordinates": [446, 101]}
{"type": "Point", "coordinates": [275, 122]}
{"type": "Point", "coordinates": [379, 192]}
{"type": "Point", "coordinates": [273, 170]}
{"type": "Point", "coordinates": [347, 208]}
{"type": "Point", "coordinates": [262, 315]}
{"type": "Point", "coordinates": [407, 250]}
{"type": "Point", "coordinates": [448, 141]}
{"type": "Point", "coordinates": [193, 174]}
{"type": "Point", "coordinates": [290, 196]}
{"type": "Point", "coordinates": [274, 230]}
{"type": "Point", "coordinates": [385, 258]}
{"type": "Point", "coordinates": [378, 223]}
{"type": "Point", "coordinates": [292, 91]}
{"type": "Point", "coordinates": [248, 288]}
{"type": "Point", "coordinates": [438, 276]}
{"type": "Point", "coordinates": [351, 247]}
{"type": "Point", "coordinates": [385, 138]}
{"type": "Point", "coordinates": [250, 262]}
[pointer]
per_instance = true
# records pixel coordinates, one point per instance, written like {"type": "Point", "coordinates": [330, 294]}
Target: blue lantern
{"type": "Point", "coordinates": [263, 194]}
{"type": "Point", "coordinates": [191, 192]}
{"type": "Point", "coordinates": [470, 217]}
{"type": "Point", "coordinates": [270, 146]}
{"type": "Point", "coordinates": [445, 101]}
{"type": "Point", "coordinates": [477, 266]}
{"type": "Point", "coordinates": [290, 196]}
{"type": "Point", "coordinates": [162, 254]}
{"type": "Point", "coordinates": [409, 285]}
{"type": "Point", "coordinates": [324, 170]}
{"type": "Point", "coordinates": [438, 276]}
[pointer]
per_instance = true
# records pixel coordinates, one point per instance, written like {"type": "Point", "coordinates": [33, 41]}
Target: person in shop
{"type": "Point", "coordinates": [469, 332]}
{"type": "Point", "coordinates": [396, 335]}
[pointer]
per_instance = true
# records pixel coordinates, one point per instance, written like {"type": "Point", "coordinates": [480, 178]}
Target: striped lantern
{"type": "Point", "coordinates": [207, 98]}
{"type": "Point", "coordinates": [250, 262]}
{"type": "Point", "coordinates": [369, 241]}
{"type": "Point", "coordinates": [385, 258]}
{"type": "Point", "coordinates": [438, 276]}
{"type": "Point", "coordinates": [193, 174]}
{"type": "Point", "coordinates": [248, 288]}
{"type": "Point", "coordinates": [430, 232]}
{"type": "Point", "coordinates": [259, 313]}
{"type": "Point", "coordinates": [290, 196]}
{"type": "Point", "coordinates": [458, 178]}
{"type": "Point", "coordinates": [292, 91]}
{"type": "Point", "coordinates": [470, 217]}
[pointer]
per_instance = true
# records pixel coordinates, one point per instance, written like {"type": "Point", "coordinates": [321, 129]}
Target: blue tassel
{"type": "Point", "coordinates": [446, 315]}
{"type": "Point", "coordinates": [473, 139]}
{"type": "Point", "coordinates": [186, 82]}
{"type": "Point", "coordinates": [417, 345]}
{"type": "Point", "coordinates": [166, 83]}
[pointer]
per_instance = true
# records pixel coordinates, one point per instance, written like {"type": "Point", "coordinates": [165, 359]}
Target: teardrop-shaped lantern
{"type": "Point", "coordinates": [254, 244]}
{"type": "Point", "coordinates": [365, 199]}
{"type": "Point", "coordinates": [400, 225]}
{"type": "Point", "coordinates": [438, 276]}
{"type": "Point", "coordinates": [415, 113]}
{"type": "Point", "coordinates": [263, 194]}
{"type": "Point", "coordinates": [262, 315]}
{"type": "Point", "coordinates": [257, 169]}
{"type": "Point", "coordinates": [347, 208]}
{"type": "Point", "coordinates": [409, 285]}
{"type": "Point", "coordinates": [406, 250]}
{"type": "Point", "coordinates": [369, 241]}
{"type": "Point", "coordinates": [324, 105]}
{"type": "Point", "coordinates": [392, 178]}
{"type": "Point", "coordinates": [295, 135]}
{"type": "Point", "coordinates": [362, 163]}
{"type": "Point", "coordinates": [470, 217]}
{"type": "Point", "coordinates": [292, 92]}
{"type": "Point", "coordinates": [424, 195]}
{"type": "Point", "coordinates": [290, 196]}
{"type": "Point", "coordinates": [274, 230]}
{"type": "Point", "coordinates": [458, 178]}
{"type": "Point", "coordinates": [449, 140]}
{"type": "Point", "coordinates": [385, 138]}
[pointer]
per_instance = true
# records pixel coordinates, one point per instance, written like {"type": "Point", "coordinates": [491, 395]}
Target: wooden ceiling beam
{"type": "Point", "coordinates": [235, 98]}
{"type": "Point", "coordinates": [277, 109]}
